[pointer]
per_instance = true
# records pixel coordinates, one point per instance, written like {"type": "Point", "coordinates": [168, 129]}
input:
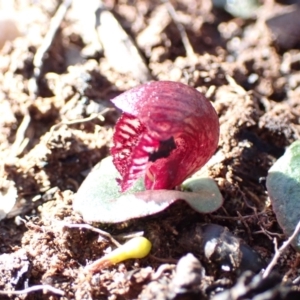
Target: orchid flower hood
{"type": "Point", "coordinates": [166, 133]}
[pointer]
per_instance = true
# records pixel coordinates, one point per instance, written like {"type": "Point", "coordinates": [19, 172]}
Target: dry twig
{"type": "Point", "coordinates": [47, 42]}
{"type": "Point", "coordinates": [99, 231]}
{"type": "Point", "coordinates": [184, 37]}
{"type": "Point", "coordinates": [279, 251]}
{"type": "Point", "coordinates": [254, 216]}
{"type": "Point", "coordinates": [17, 147]}
{"type": "Point", "coordinates": [33, 289]}
{"type": "Point", "coordinates": [79, 121]}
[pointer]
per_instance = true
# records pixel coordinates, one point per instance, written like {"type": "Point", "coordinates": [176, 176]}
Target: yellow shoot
{"type": "Point", "coordinates": [137, 247]}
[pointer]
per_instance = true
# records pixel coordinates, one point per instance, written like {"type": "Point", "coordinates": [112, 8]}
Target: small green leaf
{"type": "Point", "coordinates": [99, 198]}
{"type": "Point", "coordinates": [283, 184]}
{"type": "Point", "coordinates": [244, 9]}
{"type": "Point", "coordinates": [205, 196]}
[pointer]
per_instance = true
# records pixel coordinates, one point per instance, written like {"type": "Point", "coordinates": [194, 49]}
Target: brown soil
{"type": "Point", "coordinates": [253, 80]}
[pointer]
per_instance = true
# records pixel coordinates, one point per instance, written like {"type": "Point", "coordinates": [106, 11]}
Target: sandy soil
{"type": "Point", "coordinates": [248, 68]}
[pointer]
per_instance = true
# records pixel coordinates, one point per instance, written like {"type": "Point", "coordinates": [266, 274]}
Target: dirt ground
{"type": "Point", "coordinates": [249, 69]}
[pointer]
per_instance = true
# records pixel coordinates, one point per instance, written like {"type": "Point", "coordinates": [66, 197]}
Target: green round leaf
{"type": "Point", "coordinates": [205, 196]}
{"type": "Point", "coordinates": [283, 184]}
{"type": "Point", "coordinates": [99, 199]}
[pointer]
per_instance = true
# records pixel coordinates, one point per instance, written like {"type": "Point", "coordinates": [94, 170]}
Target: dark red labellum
{"type": "Point", "coordinates": [167, 132]}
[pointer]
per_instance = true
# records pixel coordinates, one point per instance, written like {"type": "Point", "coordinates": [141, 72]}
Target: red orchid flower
{"type": "Point", "coordinates": [167, 132]}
